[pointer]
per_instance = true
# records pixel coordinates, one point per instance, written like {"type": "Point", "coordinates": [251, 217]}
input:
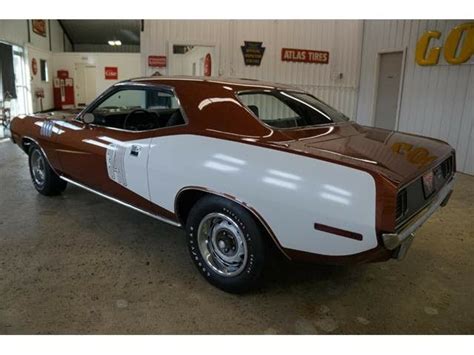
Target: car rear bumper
{"type": "Point", "coordinates": [403, 238]}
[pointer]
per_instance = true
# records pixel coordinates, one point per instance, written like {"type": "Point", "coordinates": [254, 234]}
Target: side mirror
{"type": "Point", "coordinates": [88, 118]}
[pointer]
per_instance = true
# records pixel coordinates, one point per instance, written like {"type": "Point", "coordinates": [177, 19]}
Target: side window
{"type": "Point", "coordinates": [139, 109]}
{"type": "Point", "coordinates": [288, 109]}
{"type": "Point", "coordinates": [162, 100]}
{"type": "Point", "coordinates": [123, 101]}
{"type": "Point", "coordinates": [270, 109]}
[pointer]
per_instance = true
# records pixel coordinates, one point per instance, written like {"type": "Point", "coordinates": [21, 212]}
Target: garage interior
{"type": "Point", "coordinates": [77, 263]}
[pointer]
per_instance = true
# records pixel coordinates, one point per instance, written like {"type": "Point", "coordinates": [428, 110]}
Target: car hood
{"type": "Point", "coordinates": [398, 156]}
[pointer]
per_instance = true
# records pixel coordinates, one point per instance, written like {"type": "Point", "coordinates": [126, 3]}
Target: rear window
{"type": "Point", "coordinates": [287, 109]}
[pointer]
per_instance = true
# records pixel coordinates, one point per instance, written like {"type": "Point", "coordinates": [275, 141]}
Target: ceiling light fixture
{"type": "Point", "coordinates": [114, 43]}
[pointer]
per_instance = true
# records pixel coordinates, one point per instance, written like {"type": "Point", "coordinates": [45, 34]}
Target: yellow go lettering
{"type": "Point", "coordinates": [422, 47]}
{"type": "Point", "coordinates": [458, 47]}
{"type": "Point", "coordinates": [453, 42]}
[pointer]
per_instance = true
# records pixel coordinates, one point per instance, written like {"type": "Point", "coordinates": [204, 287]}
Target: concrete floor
{"type": "Point", "coordinates": [80, 264]}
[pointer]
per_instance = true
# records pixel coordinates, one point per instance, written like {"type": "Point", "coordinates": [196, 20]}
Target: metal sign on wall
{"type": "Point", "coordinates": [39, 27]}
{"type": "Point", "coordinates": [34, 66]}
{"type": "Point", "coordinates": [304, 56]}
{"type": "Point", "coordinates": [158, 61]}
{"type": "Point", "coordinates": [207, 65]}
{"type": "Point", "coordinates": [253, 52]}
{"type": "Point", "coordinates": [111, 73]}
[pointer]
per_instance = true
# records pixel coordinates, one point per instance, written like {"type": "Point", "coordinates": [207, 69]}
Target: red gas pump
{"type": "Point", "coordinates": [63, 87]}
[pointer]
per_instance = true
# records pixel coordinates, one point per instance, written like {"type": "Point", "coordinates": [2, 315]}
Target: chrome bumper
{"type": "Point", "coordinates": [405, 236]}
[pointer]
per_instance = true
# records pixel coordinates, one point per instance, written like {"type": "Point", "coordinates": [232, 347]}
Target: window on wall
{"type": "Point", "coordinates": [22, 104]}
{"type": "Point", "coordinates": [44, 70]}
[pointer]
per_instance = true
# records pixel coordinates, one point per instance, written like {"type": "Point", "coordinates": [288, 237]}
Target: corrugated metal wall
{"type": "Point", "coordinates": [341, 38]}
{"type": "Point", "coordinates": [436, 101]}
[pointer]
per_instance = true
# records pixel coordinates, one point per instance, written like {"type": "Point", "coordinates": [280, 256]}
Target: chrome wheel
{"type": "Point", "coordinates": [38, 167]}
{"type": "Point", "coordinates": [222, 244]}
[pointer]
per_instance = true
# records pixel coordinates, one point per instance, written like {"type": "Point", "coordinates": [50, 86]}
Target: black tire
{"type": "Point", "coordinates": [50, 184]}
{"type": "Point", "coordinates": [228, 212]}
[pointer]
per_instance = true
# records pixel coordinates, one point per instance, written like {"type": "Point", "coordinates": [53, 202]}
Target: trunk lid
{"type": "Point", "coordinates": [399, 156]}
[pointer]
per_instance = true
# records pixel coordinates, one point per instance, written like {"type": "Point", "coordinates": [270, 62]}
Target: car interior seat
{"type": "Point", "coordinates": [175, 119]}
{"type": "Point", "coordinates": [254, 109]}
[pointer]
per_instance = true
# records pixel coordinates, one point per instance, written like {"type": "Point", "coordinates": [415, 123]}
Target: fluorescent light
{"type": "Point", "coordinates": [111, 43]}
{"type": "Point", "coordinates": [114, 43]}
{"type": "Point", "coordinates": [118, 43]}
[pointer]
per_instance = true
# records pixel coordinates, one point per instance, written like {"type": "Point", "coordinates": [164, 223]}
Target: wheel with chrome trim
{"type": "Point", "coordinates": [225, 243]}
{"type": "Point", "coordinates": [45, 180]}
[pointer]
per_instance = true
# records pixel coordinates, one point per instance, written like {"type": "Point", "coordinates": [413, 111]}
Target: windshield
{"type": "Point", "coordinates": [288, 109]}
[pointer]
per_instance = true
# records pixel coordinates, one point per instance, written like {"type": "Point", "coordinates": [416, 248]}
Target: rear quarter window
{"type": "Point", "coordinates": [285, 109]}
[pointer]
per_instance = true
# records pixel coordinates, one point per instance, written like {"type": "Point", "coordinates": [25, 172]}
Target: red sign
{"type": "Point", "coordinates": [63, 74]}
{"type": "Point", "coordinates": [157, 61]}
{"type": "Point", "coordinates": [111, 73]}
{"type": "Point", "coordinates": [304, 56]}
{"type": "Point", "coordinates": [207, 65]}
{"type": "Point", "coordinates": [34, 66]}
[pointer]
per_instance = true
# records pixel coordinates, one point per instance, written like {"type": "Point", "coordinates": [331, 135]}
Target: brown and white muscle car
{"type": "Point", "coordinates": [243, 164]}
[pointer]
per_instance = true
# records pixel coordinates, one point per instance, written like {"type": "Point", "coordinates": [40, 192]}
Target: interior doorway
{"type": "Point", "coordinates": [14, 96]}
{"type": "Point", "coordinates": [194, 60]}
{"type": "Point", "coordinates": [85, 83]}
{"type": "Point", "coordinates": [390, 66]}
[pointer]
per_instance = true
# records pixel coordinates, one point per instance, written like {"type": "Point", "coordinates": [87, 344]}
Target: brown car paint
{"type": "Point", "coordinates": [211, 108]}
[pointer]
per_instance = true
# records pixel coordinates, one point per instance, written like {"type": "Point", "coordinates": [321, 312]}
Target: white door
{"type": "Point", "coordinates": [85, 83]}
{"type": "Point", "coordinates": [388, 89]}
{"type": "Point", "coordinates": [90, 83]}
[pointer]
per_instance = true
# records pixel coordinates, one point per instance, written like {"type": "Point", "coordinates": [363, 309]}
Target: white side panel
{"type": "Point", "coordinates": [290, 192]}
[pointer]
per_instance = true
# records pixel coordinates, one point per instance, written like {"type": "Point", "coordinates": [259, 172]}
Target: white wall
{"type": "Point", "coordinates": [35, 80]}
{"type": "Point", "coordinates": [436, 101]}
{"type": "Point", "coordinates": [182, 64]}
{"type": "Point", "coordinates": [14, 31]}
{"type": "Point", "coordinates": [58, 39]}
{"type": "Point", "coordinates": [38, 47]}
{"type": "Point", "coordinates": [341, 38]}
{"type": "Point", "coordinates": [129, 65]}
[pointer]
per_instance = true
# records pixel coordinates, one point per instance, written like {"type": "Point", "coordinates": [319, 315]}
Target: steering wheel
{"type": "Point", "coordinates": [131, 113]}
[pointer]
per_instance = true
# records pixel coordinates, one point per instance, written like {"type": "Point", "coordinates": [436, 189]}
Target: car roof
{"type": "Point", "coordinates": [235, 83]}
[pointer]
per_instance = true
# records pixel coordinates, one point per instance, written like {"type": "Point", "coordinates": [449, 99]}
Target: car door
{"type": "Point", "coordinates": [108, 159]}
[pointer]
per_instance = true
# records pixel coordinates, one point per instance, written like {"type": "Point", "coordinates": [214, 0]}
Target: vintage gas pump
{"type": "Point", "coordinates": [63, 87]}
